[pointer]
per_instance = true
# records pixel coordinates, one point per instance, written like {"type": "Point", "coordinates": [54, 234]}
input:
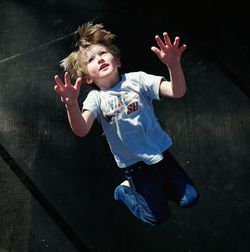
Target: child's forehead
{"type": "Point", "coordinates": [93, 49]}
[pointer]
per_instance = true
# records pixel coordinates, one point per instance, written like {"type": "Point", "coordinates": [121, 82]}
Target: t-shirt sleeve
{"type": "Point", "coordinates": [150, 84]}
{"type": "Point", "coordinates": [91, 103]}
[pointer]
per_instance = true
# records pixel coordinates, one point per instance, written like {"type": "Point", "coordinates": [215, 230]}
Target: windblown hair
{"type": "Point", "coordinates": [89, 34]}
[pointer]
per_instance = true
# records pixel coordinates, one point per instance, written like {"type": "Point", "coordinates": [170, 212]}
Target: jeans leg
{"type": "Point", "coordinates": [135, 203]}
{"type": "Point", "coordinates": [147, 183]}
{"type": "Point", "coordinates": [144, 198]}
{"type": "Point", "coordinates": [178, 186]}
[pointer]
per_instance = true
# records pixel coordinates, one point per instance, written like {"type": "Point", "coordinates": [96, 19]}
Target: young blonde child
{"type": "Point", "coordinates": [122, 103]}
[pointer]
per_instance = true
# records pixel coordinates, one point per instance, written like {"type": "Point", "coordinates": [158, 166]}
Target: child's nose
{"type": "Point", "coordinates": [100, 60]}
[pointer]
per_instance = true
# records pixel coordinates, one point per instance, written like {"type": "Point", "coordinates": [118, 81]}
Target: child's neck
{"type": "Point", "coordinates": [108, 84]}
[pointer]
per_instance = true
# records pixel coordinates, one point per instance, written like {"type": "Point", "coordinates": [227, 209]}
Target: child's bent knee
{"type": "Point", "coordinates": [190, 197]}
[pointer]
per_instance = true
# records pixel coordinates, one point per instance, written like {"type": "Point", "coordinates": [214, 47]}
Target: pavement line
{"type": "Point", "coordinates": [43, 201]}
{"type": "Point", "coordinates": [36, 48]}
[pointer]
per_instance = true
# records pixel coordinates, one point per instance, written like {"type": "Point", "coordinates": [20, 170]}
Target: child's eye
{"type": "Point", "coordinates": [90, 59]}
{"type": "Point", "coordinates": [102, 52]}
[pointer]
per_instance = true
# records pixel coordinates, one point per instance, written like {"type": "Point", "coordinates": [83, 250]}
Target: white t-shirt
{"type": "Point", "coordinates": [128, 120]}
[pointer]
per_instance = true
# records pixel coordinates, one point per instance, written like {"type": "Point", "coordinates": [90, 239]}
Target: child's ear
{"type": "Point", "coordinates": [119, 63]}
{"type": "Point", "coordinates": [87, 80]}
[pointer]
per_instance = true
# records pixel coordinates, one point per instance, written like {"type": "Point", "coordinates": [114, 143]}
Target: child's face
{"type": "Point", "coordinates": [101, 65]}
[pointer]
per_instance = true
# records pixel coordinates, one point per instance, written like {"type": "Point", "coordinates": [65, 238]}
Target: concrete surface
{"type": "Point", "coordinates": [56, 190]}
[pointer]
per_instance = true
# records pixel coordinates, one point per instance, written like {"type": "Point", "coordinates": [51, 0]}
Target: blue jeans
{"type": "Point", "coordinates": [152, 186]}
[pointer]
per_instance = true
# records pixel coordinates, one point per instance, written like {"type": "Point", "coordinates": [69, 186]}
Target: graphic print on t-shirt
{"type": "Point", "coordinates": [117, 105]}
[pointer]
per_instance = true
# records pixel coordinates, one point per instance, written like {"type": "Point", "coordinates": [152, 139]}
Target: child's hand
{"type": "Point", "coordinates": [167, 52]}
{"type": "Point", "coordinates": [68, 92]}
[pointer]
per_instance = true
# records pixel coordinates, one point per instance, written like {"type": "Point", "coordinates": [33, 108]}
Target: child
{"type": "Point", "coordinates": [122, 103]}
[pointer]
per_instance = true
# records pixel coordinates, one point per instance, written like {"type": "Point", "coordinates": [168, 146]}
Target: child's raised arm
{"type": "Point", "coordinates": [80, 123]}
{"type": "Point", "coordinates": [170, 55]}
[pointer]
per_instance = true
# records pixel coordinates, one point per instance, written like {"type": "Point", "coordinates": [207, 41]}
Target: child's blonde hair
{"type": "Point", "coordinates": [89, 34]}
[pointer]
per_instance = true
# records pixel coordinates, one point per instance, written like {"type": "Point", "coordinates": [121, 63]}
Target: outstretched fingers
{"type": "Point", "coordinates": [155, 50]}
{"type": "Point", "coordinates": [176, 42]}
{"type": "Point", "coordinates": [159, 42]}
{"type": "Point", "coordinates": [167, 39]}
{"type": "Point", "coordinates": [78, 84]}
{"type": "Point", "coordinates": [59, 87]}
{"type": "Point", "coordinates": [67, 79]}
{"type": "Point", "coordinates": [183, 48]}
{"type": "Point", "coordinates": [58, 81]}
{"type": "Point", "coordinates": [167, 42]}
